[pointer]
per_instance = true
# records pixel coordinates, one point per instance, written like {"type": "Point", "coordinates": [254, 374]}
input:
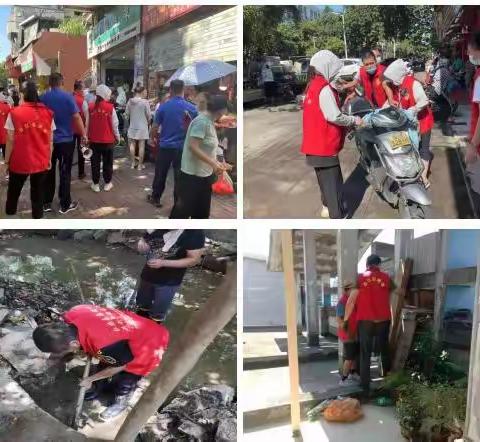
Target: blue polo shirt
{"type": "Point", "coordinates": [172, 117]}
{"type": "Point", "coordinates": [63, 106]}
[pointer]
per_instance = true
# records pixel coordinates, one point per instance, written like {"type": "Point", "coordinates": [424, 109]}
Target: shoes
{"type": "Point", "coordinates": [132, 166]}
{"type": "Point", "coordinates": [108, 187]}
{"type": "Point", "coordinates": [73, 206]}
{"type": "Point", "coordinates": [95, 187]}
{"type": "Point", "coordinates": [154, 201]}
{"type": "Point", "coordinates": [347, 383]}
{"type": "Point", "coordinates": [325, 213]}
{"type": "Point", "coordinates": [120, 405]}
{"type": "Point", "coordinates": [141, 167]}
{"type": "Point", "coordinates": [47, 207]}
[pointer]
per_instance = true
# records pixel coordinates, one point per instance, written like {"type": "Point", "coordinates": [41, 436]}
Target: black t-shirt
{"type": "Point", "coordinates": [188, 240]}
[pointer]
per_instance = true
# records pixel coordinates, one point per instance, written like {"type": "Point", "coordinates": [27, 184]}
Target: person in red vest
{"type": "Point", "coordinates": [347, 333]}
{"type": "Point", "coordinates": [29, 147]}
{"type": "Point", "coordinates": [324, 131]}
{"type": "Point", "coordinates": [409, 93]}
{"type": "Point", "coordinates": [127, 345]}
{"type": "Point", "coordinates": [78, 94]}
{"type": "Point", "coordinates": [372, 305]}
{"type": "Point", "coordinates": [103, 135]}
{"type": "Point", "coordinates": [370, 77]}
{"type": "Point", "coordinates": [5, 108]}
{"type": "Point", "coordinates": [473, 145]}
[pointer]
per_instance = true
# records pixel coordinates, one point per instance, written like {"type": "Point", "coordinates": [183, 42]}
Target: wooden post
{"type": "Point", "coordinates": [472, 421]}
{"type": "Point", "coordinates": [291, 308]}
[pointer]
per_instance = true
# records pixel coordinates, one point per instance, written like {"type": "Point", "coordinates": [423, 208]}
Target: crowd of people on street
{"type": "Point", "coordinates": [37, 132]}
{"type": "Point", "coordinates": [364, 319]}
{"type": "Point", "coordinates": [393, 83]}
{"type": "Point", "coordinates": [129, 345]}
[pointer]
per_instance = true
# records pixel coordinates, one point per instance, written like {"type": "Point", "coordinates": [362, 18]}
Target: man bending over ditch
{"type": "Point", "coordinates": [127, 345]}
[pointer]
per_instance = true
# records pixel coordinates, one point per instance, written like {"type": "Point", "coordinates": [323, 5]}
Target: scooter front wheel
{"type": "Point", "coordinates": [412, 210]}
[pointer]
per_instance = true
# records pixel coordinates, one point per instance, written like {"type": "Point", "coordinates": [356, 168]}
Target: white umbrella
{"type": "Point", "coordinates": [201, 72]}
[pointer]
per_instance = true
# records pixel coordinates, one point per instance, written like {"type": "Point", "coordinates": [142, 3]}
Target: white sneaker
{"type": "Point", "coordinates": [132, 166]}
{"type": "Point", "coordinates": [95, 187]}
{"type": "Point", "coordinates": [141, 167]}
{"type": "Point", "coordinates": [108, 187]}
{"type": "Point", "coordinates": [347, 383]}
{"type": "Point", "coordinates": [325, 213]}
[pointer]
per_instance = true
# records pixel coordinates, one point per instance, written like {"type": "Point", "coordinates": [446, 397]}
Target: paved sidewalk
{"type": "Point", "coordinates": [279, 184]}
{"type": "Point", "coordinates": [127, 199]}
{"type": "Point", "coordinates": [379, 424]}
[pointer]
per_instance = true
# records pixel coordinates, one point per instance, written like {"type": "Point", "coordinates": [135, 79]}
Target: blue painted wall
{"type": "Point", "coordinates": [462, 248]}
{"type": "Point", "coordinates": [459, 297]}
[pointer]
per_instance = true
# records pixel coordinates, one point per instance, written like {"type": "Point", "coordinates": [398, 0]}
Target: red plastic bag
{"type": "Point", "coordinates": [224, 185]}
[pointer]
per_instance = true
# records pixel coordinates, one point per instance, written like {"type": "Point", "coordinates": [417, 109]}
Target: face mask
{"type": "Point", "coordinates": [371, 70]}
{"type": "Point", "coordinates": [379, 59]}
{"type": "Point", "coordinates": [473, 60]}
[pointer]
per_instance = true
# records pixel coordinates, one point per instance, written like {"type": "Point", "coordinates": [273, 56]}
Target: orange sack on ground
{"type": "Point", "coordinates": [343, 410]}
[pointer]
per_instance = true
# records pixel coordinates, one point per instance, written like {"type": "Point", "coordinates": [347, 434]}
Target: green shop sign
{"type": "Point", "coordinates": [119, 24]}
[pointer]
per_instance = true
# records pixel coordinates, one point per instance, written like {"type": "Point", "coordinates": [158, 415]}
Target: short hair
{"type": "Point", "coordinates": [78, 85]}
{"type": "Point", "coordinates": [177, 86]}
{"type": "Point", "coordinates": [55, 80]}
{"type": "Point", "coordinates": [475, 40]}
{"type": "Point", "coordinates": [373, 260]}
{"type": "Point", "coordinates": [216, 103]}
{"type": "Point", "coordinates": [139, 89]}
{"type": "Point", "coordinates": [53, 337]}
{"type": "Point", "coordinates": [30, 92]}
{"type": "Point", "coordinates": [366, 53]}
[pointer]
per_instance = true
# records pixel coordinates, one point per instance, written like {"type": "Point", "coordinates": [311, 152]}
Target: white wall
{"type": "Point", "coordinates": [212, 37]}
{"type": "Point", "coordinates": [263, 295]}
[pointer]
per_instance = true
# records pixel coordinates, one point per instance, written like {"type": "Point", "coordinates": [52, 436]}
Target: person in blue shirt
{"type": "Point", "coordinates": [168, 132]}
{"type": "Point", "coordinates": [67, 117]}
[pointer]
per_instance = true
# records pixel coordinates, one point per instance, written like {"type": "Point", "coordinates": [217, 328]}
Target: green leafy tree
{"type": "Point", "coordinates": [364, 27]}
{"type": "Point", "coordinates": [73, 26]}
{"type": "Point", "coordinates": [260, 34]}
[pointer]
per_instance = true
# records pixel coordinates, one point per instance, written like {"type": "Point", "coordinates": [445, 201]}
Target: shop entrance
{"type": "Point", "coordinates": [118, 66]}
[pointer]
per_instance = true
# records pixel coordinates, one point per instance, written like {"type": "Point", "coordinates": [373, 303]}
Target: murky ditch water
{"type": "Point", "coordinates": [106, 275]}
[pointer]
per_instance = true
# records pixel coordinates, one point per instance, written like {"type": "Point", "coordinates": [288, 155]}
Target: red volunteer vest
{"type": "Point", "coordinates": [320, 137]}
{"type": "Point", "coordinates": [373, 301]}
{"type": "Point", "coordinates": [79, 99]}
{"type": "Point", "coordinates": [352, 322]}
{"type": "Point", "coordinates": [475, 109]}
{"type": "Point", "coordinates": [100, 128]}
{"type": "Point", "coordinates": [372, 85]}
{"type": "Point", "coordinates": [101, 326]}
{"type": "Point", "coordinates": [32, 139]}
{"type": "Point", "coordinates": [425, 116]}
{"type": "Point", "coordinates": [4, 111]}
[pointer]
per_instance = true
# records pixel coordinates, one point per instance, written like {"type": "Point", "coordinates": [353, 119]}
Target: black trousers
{"type": "Point", "coordinates": [81, 161]}
{"type": "Point", "coordinates": [37, 191]}
{"type": "Point", "coordinates": [368, 331]}
{"type": "Point", "coordinates": [102, 156]}
{"type": "Point", "coordinates": [63, 154]}
{"type": "Point", "coordinates": [194, 196]}
{"type": "Point", "coordinates": [330, 180]}
{"type": "Point", "coordinates": [165, 159]}
{"type": "Point", "coordinates": [424, 148]}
